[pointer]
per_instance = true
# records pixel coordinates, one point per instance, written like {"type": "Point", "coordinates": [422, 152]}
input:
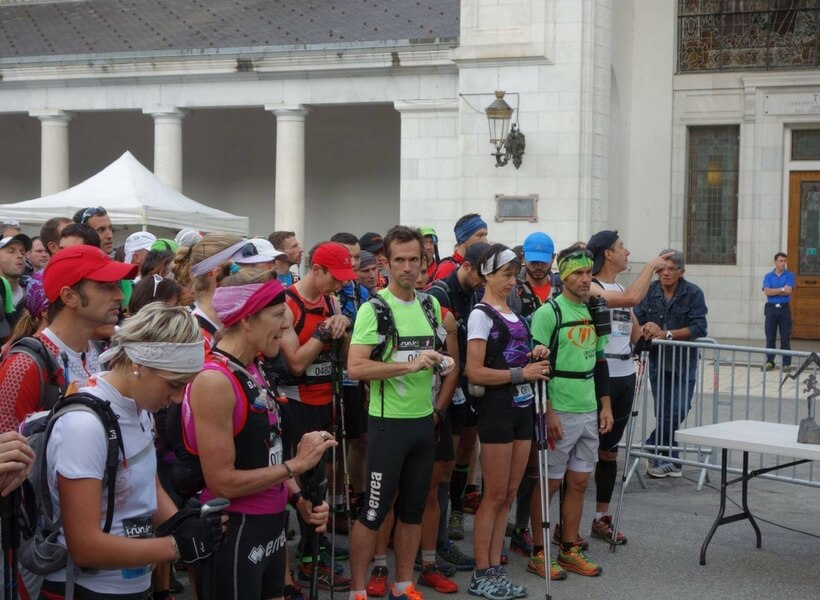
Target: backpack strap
{"type": "Point", "coordinates": [102, 409]}
{"type": "Point", "coordinates": [47, 368]}
{"type": "Point", "coordinates": [430, 313]}
{"type": "Point", "coordinates": [554, 344]}
{"type": "Point", "coordinates": [385, 327]}
{"type": "Point", "coordinates": [503, 331]}
{"type": "Point", "coordinates": [299, 323]}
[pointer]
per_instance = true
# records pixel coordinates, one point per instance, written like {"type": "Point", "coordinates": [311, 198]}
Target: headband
{"type": "Point", "coordinates": [572, 263]}
{"type": "Point", "coordinates": [468, 228]}
{"type": "Point", "coordinates": [212, 262]}
{"type": "Point", "coordinates": [168, 356]}
{"type": "Point", "coordinates": [234, 303]}
{"type": "Point", "coordinates": [496, 261]}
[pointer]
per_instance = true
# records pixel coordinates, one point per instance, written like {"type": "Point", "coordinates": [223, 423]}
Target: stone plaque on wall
{"type": "Point", "coordinates": [792, 104]}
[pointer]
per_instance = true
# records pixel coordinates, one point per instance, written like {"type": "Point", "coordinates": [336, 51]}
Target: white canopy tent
{"type": "Point", "coordinates": [132, 195]}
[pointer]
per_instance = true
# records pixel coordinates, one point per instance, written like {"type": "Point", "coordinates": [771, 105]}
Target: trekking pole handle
{"type": "Point", "coordinates": [214, 505]}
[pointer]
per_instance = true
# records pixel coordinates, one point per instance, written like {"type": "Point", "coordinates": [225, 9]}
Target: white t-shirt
{"type": "Point", "coordinates": [79, 366]}
{"type": "Point", "coordinates": [480, 324]}
{"type": "Point", "coordinates": [77, 450]}
{"type": "Point", "coordinates": [619, 341]}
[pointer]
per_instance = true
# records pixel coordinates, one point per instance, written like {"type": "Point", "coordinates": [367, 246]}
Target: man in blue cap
{"type": "Point", "coordinates": [533, 287]}
{"type": "Point", "coordinates": [469, 229]}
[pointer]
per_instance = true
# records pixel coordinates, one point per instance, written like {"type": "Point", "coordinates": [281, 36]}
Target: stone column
{"type": "Point", "coordinates": [289, 211]}
{"type": "Point", "coordinates": [53, 150]}
{"type": "Point", "coordinates": [168, 144]}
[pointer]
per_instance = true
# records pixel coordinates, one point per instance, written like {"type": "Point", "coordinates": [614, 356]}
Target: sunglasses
{"type": "Point", "coordinates": [580, 253]}
{"type": "Point", "coordinates": [92, 211]}
{"type": "Point", "coordinates": [248, 250]}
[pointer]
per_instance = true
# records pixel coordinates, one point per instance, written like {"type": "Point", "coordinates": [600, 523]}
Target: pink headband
{"type": "Point", "coordinates": [234, 303]}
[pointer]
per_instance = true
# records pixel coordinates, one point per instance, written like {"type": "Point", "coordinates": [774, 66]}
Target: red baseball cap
{"type": "Point", "coordinates": [335, 258]}
{"type": "Point", "coordinates": [71, 265]}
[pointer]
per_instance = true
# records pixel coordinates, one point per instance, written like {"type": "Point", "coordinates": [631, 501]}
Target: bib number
{"type": "Point", "coordinates": [522, 395]}
{"type": "Point", "coordinates": [319, 370]}
{"type": "Point", "coordinates": [275, 451]}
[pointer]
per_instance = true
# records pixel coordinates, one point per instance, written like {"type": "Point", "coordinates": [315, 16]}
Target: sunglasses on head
{"type": "Point", "coordinates": [92, 211]}
{"type": "Point", "coordinates": [580, 253]}
{"type": "Point", "coordinates": [249, 249]}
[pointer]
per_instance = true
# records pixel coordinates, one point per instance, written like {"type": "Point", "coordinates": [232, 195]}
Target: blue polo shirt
{"type": "Point", "coordinates": [773, 280]}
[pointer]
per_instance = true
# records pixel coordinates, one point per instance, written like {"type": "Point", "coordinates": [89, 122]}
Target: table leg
{"type": "Point", "coordinates": [723, 471]}
{"type": "Point", "coordinates": [744, 502]}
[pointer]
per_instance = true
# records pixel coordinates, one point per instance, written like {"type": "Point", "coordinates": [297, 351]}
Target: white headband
{"type": "Point", "coordinates": [495, 262]}
{"type": "Point", "coordinates": [177, 358]}
{"type": "Point", "coordinates": [212, 262]}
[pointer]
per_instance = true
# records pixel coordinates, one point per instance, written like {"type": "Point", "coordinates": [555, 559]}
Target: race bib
{"type": "Point", "coordinates": [323, 369]}
{"type": "Point", "coordinates": [621, 323]}
{"type": "Point", "coordinates": [346, 380]}
{"type": "Point", "coordinates": [275, 451]}
{"type": "Point", "coordinates": [522, 395]}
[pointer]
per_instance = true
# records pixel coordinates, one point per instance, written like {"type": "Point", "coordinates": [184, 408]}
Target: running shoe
{"type": "Point", "coordinates": [536, 565]}
{"type": "Point", "coordinates": [580, 542]}
{"type": "Point", "coordinates": [521, 542]}
{"type": "Point", "coordinates": [325, 577]}
{"type": "Point", "coordinates": [488, 585]}
{"type": "Point", "coordinates": [602, 528]}
{"type": "Point", "coordinates": [411, 593]}
{"type": "Point", "coordinates": [455, 525]}
{"type": "Point", "coordinates": [377, 585]}
{"type": "Point", "coordinates": [576, 561]}
{"type": "Point", "coordinates": [518, 591]}
{"type": "Point", "coordinates": [664, 469]}
{"type": "Point", "coordinates": [446, 570]}
{"type": "Point", "coordinates": [471, 502]}
{"type": "Point", "coordinates": [450, 553]}
{"type": "Point", "coordinates": [431, 576]}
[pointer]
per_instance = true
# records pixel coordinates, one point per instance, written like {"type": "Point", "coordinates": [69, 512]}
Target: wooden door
{"type": "Point", "coordinates": [803, 247]}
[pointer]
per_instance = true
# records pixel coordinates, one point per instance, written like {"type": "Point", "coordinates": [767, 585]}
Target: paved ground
{"type": "Point", "coordinates": [666, 524]}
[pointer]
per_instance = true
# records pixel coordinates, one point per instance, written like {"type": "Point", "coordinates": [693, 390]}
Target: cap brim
{"type": "Point", "coordinates": [537, 257]}
{"type": "Point", "coordinates": [343, 274]}
{"type": "Point", "coordinates": [113, 271]}
{"type": "Point", "coordinates": [597, 263]}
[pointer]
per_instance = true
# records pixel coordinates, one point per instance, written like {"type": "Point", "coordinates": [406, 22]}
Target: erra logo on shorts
{"type": "Point", "coordinates": [259, 552]}
{"type": "Point", "coordinates": [374, 500]}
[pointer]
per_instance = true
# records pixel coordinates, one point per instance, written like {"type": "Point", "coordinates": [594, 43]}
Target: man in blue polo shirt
{"type": "Point", "coordinates": [778, 286]}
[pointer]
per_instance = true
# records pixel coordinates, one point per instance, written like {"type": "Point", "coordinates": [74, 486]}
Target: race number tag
{"type": "Point", "coordinates": [621, 322]}
{"type": "Point", "coordinates": [322, 369]}
{"type": "Point", "coordinates": [522, 395]}
{"type": "Point", "coordinates": [275, 451]}
{"type": "Point", "coordinates": [347, 381]}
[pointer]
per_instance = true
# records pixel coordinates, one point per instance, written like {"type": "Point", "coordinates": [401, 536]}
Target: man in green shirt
{"type": "Point", "coordinates": [401, 422]}
{"type": "Point", "coordinates": [579, 382]}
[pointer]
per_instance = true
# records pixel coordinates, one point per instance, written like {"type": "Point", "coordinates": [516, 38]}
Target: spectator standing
{"type": "Point", "coordinates": [778, 286]}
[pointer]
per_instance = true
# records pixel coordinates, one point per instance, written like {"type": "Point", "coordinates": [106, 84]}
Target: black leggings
{"type": "Point", "coordinates": [400, 461]}
{"type": "Point", "coordinates": [250, 564]}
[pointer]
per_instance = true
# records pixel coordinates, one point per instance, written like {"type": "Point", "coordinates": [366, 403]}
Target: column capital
{"type": "Point", "coordinates": [288, 112]}
{"type": "Point", "coordinates": [52, 116]}
{"type": "Point", "coordinates": [165, 112]}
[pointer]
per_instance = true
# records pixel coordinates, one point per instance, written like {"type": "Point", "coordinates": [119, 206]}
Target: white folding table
{"type": "Point", "coordinates": [746, 436]}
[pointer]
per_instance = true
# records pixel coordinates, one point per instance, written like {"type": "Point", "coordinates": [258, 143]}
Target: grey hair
{"type": "Point", "coordinates": [156, 322]}
{"type": "Point", "coordinates": [677, 257]}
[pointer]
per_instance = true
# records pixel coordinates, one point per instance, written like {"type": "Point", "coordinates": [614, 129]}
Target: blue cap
{"type": "Point", "coordinates": [539, 247]}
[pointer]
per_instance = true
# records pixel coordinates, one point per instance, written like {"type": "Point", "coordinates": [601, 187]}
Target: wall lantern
{"type": "Point", "coordinates": [499, 114]}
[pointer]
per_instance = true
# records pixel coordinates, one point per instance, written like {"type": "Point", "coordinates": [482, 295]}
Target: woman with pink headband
{"type": "Point", "coordinates": [231, 420]}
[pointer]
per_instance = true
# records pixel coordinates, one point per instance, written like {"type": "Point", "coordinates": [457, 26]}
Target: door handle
{"type": "Point", "coordinates": [811, 282]}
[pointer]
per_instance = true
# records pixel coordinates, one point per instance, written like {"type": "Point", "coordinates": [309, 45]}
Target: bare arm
{"type": "Point", "coordinates": [212, 403]}
{"type": "Point", "coordinates": [89, 546]}
{"type": "Point", "coordinates": [632, 295]}
{"type": "Point", "coordinates": [297, 356]}
{"type": "Point", "coordinates": [360, 365]}
{"type": "Point", "coordinates": [450, 381]}
{"type": "Point", "coordinates": [481, 375]}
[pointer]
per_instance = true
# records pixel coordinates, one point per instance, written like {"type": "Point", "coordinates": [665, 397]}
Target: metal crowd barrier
{"type": "Point", "coordinates": [728, 383]}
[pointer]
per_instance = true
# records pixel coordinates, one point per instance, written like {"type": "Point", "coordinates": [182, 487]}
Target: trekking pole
{"type": "Point", "coordinates": [314, 484]}
{"type": "Point", "coordinates": [207, 588]}
{"type": "Point", "coordinates": [640, 381]}
{"type": "Point", "coordinates": [10, 534]}
{"type": "Point", "coordinates": [341, 431]}
{"type": "Point", "coordinates": [542, 442]}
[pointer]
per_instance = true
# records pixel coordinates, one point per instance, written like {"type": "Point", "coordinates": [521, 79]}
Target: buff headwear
{"type": "Point", "coordinates": [496, 261]}
{"type": "Point", "coordinates": [234, 303]}
{"type": "Point", "coordinates": [582, 259]}
{"type": "Point", "coordinates": [168, 356]}
{"type": "Point", "coordinates": [468, 228]}
{"type": "Point", "coordinates": [36, 301]}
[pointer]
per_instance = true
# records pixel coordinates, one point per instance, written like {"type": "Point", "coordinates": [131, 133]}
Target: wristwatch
{"type": "Point", "coordinates": [668, 335]}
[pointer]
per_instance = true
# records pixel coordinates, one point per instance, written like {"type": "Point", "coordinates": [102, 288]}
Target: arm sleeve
{"type": "Point", "coordinates": [19, 390]}
{"type": "Point", "coordinates": [601, 378]}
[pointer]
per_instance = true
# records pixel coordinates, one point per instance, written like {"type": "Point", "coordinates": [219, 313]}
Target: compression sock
{"type": "Point", "coordinates": [458, 481]}
{"type": "Point", "coordinates": [606, 471]}
{"type": "Point", "coordinates": [443, 502]}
